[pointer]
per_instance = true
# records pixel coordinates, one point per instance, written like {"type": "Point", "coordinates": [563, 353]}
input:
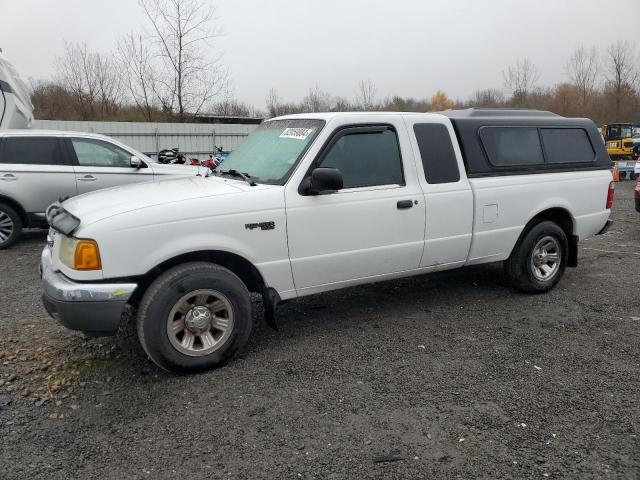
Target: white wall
{"type": "Point", "coordinates": [196, 139]}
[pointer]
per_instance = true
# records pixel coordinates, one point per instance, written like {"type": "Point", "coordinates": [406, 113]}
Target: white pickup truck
{"type": "Point", "coordinates": [317, 202]}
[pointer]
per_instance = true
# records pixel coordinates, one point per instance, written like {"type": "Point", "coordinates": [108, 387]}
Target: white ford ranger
{"type": "Point", "coordinates": [316, 202]}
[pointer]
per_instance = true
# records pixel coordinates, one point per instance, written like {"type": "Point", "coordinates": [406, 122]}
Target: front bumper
{"type": "Point", "coordinates": [93, 308]}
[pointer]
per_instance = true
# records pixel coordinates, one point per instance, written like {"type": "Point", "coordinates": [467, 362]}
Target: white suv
{"type": "Point", "coordinates": [38, 168]}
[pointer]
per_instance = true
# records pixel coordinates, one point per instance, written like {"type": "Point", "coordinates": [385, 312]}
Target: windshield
{"type": "Point", "coordinates": [270, 152]}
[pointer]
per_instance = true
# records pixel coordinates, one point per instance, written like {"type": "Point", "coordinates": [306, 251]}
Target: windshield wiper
{"type": "Point", "coordinates": [243, 176]}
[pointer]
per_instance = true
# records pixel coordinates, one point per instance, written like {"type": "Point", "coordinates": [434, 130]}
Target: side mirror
{"type": "Point", "coordinates": [325, 180]}
{"type": "Point", "coordinates": [137, 163]}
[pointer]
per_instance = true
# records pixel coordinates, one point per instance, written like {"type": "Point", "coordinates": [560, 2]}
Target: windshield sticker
{"type": "Point", "coordinates": [298, 133]}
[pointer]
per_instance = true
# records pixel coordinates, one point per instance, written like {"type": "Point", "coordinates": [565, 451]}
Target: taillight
{"type": "Point", "coordinates": [610, 195]}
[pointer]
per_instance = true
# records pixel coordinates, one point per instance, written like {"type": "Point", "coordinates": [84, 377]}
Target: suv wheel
{"type": "Point", "coordinates": [539, 258]}
{"type": "Point", "coordinates": [194, 317]}
{"type": "Point", "coordinates": [10, 226]}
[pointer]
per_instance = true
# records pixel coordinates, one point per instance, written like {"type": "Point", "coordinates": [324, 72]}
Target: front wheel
{"type": "Point", "coordinates": [539, 258]}
{"type": "Point", "coordinates": [194, 317]}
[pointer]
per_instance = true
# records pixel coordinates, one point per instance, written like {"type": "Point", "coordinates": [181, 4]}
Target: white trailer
{"type": "Point", "coordinates": [16, 109]}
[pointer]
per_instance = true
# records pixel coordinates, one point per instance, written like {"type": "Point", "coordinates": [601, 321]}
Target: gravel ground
{"type": "Point", "coordinates": [450, 375]}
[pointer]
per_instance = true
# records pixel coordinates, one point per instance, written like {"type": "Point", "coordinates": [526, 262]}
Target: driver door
{"type": "Point", "coordinates": [100, 164]}
{"type": "Point", "coordinates": [374, 226]}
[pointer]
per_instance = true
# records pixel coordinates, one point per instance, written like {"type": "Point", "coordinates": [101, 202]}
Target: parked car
{"type": "Point", "coordinates": [317, 202]}
{"type": "Point", "coordinates": [635, 175]}
{"type": "Point", "coordinates": [636, 194]}
{"type": "Point", "coordinates": [39, 167]}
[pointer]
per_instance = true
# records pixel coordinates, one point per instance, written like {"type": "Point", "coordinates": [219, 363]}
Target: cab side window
{"type": "Point", "coordinates": [31, 151]}
{"type": "Point", "coordinates": [366, 158]}
{"type": "Point", "coordinates": [97, 153]}
{"type": "Point", "coordinates": [437, 153]}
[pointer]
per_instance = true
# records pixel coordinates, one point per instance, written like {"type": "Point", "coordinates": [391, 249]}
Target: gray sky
{"type": "Point", "coordinates": [406, 47]}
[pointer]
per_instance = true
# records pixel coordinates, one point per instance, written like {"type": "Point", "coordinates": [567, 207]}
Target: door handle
{"type": "Point", "coordinates": [87, 178]}
{"type": "Point", "coordinates": [9, 177]}
{"type": "Point", "coordinates": [402, 204]}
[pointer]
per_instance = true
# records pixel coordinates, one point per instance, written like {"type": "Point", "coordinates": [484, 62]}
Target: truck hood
{"type": "Point", "coordinates": [101, 204]}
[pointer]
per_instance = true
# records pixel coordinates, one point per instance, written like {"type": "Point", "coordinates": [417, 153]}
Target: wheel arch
{"type": "Point", "coordinates": [17, 207]}
{"type": "Point", "coordinates": [240, 266]}
{"type": "Point", "coordinates": [563, 218]}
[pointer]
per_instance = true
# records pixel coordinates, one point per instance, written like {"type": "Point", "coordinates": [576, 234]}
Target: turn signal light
{"type": "Point", "coordinates": [87, 256]}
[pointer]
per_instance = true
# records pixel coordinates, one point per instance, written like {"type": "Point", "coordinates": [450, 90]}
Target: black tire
{"type": "Point", "coordinates": [9, 219]}
{"type": "Point", "coordinates": [520, 265]}
{"type": "Point", "coordinates": [623, 175]}
{"type": "Point", "coordinates": [165, 294]}
{"type": "Point", "coordinates": [633, 176]}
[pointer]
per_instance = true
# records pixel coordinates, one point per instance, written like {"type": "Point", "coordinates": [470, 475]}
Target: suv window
{"type": "Point", "coordinates": [567, 145]}
{"type": "Point", "coordinates": [366, 158]}
{"type": "Point", "coordinates": [97, 153]}
{"type": "Point", "coordinates": [512, 146]}
{"type": "Point", "coordinates": [438, 157]}
{"type": "Point", "coordinates": [31, 151]}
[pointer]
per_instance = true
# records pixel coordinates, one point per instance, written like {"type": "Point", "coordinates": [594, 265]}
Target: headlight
{"type": "Point", "coordinates": [79, 253]}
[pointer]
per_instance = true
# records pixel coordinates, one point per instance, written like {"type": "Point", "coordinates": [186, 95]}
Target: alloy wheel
{"type": "Point", "coordinates": [200, 322]}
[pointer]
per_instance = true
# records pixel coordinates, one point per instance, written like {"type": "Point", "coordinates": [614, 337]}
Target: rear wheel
{"type": "Point", "coordinates": [10, 226]}
{"type": "Point", "coordinates": [539, 258]}
{"type": "Point", "coordinates": [194, 317]}
{"type": "Point", "coordinates": [633, 176]}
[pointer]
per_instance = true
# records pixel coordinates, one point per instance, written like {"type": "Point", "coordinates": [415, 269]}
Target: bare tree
{"type": "Point", "coordinates": [490, 97]}
{"type": "Point", "coordinates": [582, 68]}
{"type": "Point", "coordinates": [318, 100]}
{"type": "Point", "coordinates": [91, 77]}
{"type": "Point", "coordinates": [108, 81]}
{"type": "Point", "coordinates": [73, 71]}
{"type": "Point", "coordinates": [621, 73]}
{"type": "Point", "coordinates": [520, 78]}
{"type": "Point", "coordinates": [136, 61]}
{"type": "Point", "coordinates": [366, 96]}
{"type": "Point", "coordinates": [181, 30]}
{"type": "Point", "coordinates": [273, 102]}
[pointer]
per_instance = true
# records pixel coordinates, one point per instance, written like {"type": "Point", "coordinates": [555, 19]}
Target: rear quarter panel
{"type": "Point", "coordinates": [505, 204]}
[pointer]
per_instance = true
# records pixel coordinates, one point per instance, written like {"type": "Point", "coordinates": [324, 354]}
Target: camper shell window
{"type": "Point", "coordinates": [490, 140]}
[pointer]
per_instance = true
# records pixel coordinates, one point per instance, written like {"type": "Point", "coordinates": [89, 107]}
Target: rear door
{"type": "Point", "coordinates": [35, 172]}
{"type": "Point", "coordinates": [447, 193]}
{"type": "Point", "coordinates": [101, 164]}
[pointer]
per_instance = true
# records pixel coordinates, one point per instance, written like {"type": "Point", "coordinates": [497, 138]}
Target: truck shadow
{"type": "Point", "coordinates": [381, 303]}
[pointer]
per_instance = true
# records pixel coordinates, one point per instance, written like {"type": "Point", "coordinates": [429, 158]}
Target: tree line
{"type": "Point", "coordinates": [166, 73]}
{"type": "Point", "coordinates": [603, 86]}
